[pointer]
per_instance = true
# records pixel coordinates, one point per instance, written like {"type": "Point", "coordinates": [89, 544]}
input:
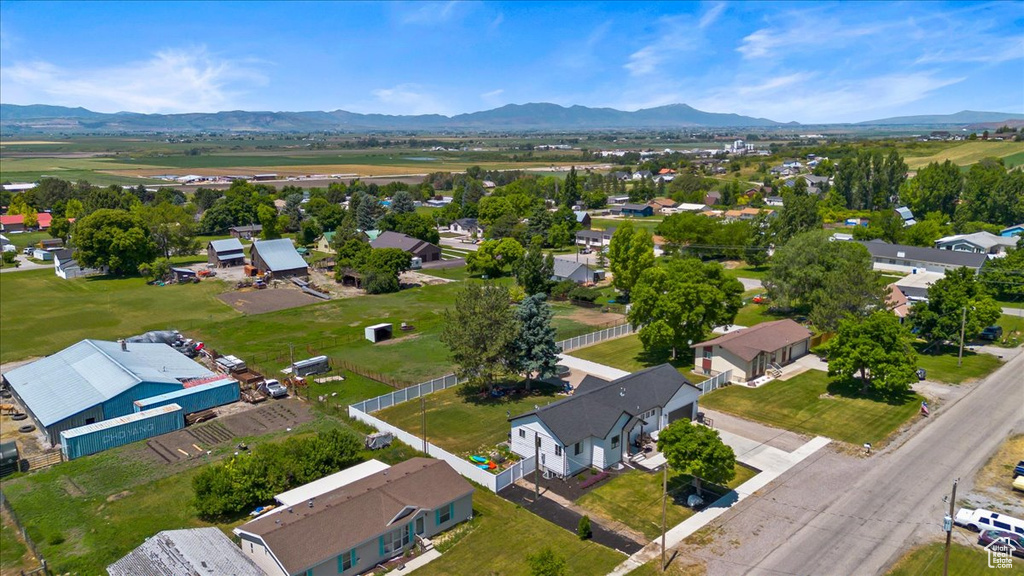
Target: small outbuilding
{"type": "Point", "coordinates": [379, 332]}
{"type": "Point", "coordinates": [225, 253]}
{"type": "Point", "coordinates": [250, 231]}
{"type": "Point", "coordinates": [640, 210]}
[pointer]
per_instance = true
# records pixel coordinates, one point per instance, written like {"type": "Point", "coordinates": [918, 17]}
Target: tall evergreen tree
{"type": "Point", "coordinates": [536, 352]}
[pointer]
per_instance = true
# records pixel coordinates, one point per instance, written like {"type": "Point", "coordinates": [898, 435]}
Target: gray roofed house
{"type": "Point", "coordinates": [900, 258]}
{"type": "Point", "coordinates": [190, 552]}
{"type": "Point", "coordinates": [227, 252]}
{"type": "Point", "coordinates": [250, 231]}
{"type": "Point", "coordinates": [978, 242]}
{"type": "Point", "coordinates": [351, 529]}
{"type": "Point", "coordinates": [421, 249]}
{"type": "Point", "coordinates": [594, 237]}
{"type": "Point", "coordinates": [278, 257]}
{"type": "Point", "coordinates": [466, 226]}
{"type": "Point", "coordinates": [599, 425]}
{"type": "Point", "coordinates": [95, 380]}
{"type": "Point", "coordinates": [578, 272]}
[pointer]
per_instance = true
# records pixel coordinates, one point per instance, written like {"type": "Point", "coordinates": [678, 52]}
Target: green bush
{"type": "Point", "coordinates": [583, 528]}
{"type": "Point", "coordinates": [251, 479]}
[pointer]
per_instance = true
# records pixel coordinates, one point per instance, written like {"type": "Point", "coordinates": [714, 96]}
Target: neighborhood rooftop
{"type": "Point", "coordinates": [279, 254]}
{"type": "Point", "coordinates": [398, 240]}
{"type": "Point", "coordinates": [594, 409]}
{"type": "Point", "coordinates": [882, 249]}
{"type": "Point", "coordinates": [229, 247]}
{"type": "Point", "coordinates": [766, 337]}
{"type": "Point", "coordinates": [189, 552]}
{"type": "Point", "coordinates": [305, 536]}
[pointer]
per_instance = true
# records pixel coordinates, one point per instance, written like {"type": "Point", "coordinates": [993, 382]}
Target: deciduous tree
{"type": "Point", "coordinates": [492, 257]}
{"type": "Point", "coordinates": [698, 451]}
{"type": "Point", "coordinates": [480, 331]}
{"type": "Point", "coordinates": [630, 252]}
{"type": "Point", "coordinates": [877, 349]}
{"type": "Point", "coordinates": [958, 297]}
{"type": "Point", "coordinates": [117, 239]}
{"type": "Point", "coordinates": [534, 271]}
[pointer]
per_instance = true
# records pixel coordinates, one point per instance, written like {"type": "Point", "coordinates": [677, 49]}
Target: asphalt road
{"type": "Point", "coordinates": [843, 514]}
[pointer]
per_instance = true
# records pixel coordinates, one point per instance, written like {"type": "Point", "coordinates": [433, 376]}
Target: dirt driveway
{"type": "Point", "coordinates": [252, 301]}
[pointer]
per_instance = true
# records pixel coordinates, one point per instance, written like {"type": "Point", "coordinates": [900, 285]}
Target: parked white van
{"type": "Point", "coordinates": [981, 519]}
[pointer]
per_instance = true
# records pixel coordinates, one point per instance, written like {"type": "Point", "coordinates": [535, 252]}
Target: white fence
{"type": "Point", "coordinates": [594, 337]}
{"type": "Point", "coordinates": [493, 482]}
{"type": "Point", "coordinates": [406, 394]}
{"type": "Point", "coordinates": [715, 383]}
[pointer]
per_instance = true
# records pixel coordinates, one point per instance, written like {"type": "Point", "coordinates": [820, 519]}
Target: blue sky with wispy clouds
{"type": "Point", "coordinates": [803, 61]}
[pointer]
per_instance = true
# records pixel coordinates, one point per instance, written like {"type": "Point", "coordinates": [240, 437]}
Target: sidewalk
{"type": "Point", "coordinates": [599, 370]}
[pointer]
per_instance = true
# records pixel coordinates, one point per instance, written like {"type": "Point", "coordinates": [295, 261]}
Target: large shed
{"type": "Point", "coordinates": [95, 380]}
{"type": "Point", "coordinates": [227, 252]}
{"type": "Point", "coordinates": [278, 257]}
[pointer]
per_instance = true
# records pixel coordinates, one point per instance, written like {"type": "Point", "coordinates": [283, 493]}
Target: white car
{"type": "Point", "coordinates": [276, 389]}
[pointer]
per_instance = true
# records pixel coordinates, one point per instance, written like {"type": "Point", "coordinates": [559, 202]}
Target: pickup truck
{"type": "Point", "coordinates": [275, 389]}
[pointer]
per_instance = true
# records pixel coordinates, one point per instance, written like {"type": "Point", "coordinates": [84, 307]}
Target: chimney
{"type": "Point", "coordinates": [124, 344]}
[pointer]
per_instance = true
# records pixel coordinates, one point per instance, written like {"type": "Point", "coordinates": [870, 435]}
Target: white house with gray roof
{"type": "Point", "coordinates": [600, 423]}
{"type": "Point", "coordinates": [578, 272]}
{"type": "Point", "coordinates": [979, 243]}
{"type": "Point", "coordinates": [96, 380]}
{"type": "Point", "coordinates": [901, 258]}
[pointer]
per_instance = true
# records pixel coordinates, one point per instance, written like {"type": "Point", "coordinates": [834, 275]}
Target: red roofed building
{"type": "Point", "coordinates": [16, 222]}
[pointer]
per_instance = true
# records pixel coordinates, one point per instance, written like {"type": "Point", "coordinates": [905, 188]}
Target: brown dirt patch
{"type": "Point", "coordinates": [398, 340]}
{"type": "Point", "coordinates": [119, 495]}
{"type": "Point", "coordinates": [995, 479]}
{"type": "Point", "coordinates": [595, 317]}
{"type": "Point", "coordinates": [268, 300]}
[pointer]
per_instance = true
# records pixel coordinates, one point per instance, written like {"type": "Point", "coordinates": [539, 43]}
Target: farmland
{"type": "Point", "coordinates": [967, 153]}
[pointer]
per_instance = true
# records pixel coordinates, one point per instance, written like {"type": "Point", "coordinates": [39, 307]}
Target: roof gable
{"type": "Point", "coordinates": [765, 337]}
{"type": "Point", "coordinates": [278, 254]}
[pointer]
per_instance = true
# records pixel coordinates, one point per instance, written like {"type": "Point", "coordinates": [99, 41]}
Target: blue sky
{"type": "Point", "coordinates": [803, 61]}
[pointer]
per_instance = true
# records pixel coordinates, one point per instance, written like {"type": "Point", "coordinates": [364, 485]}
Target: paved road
{"type": "Point", "coordinates": [839, 514]}
{"type": "Point", "coordinates": [26, 264]}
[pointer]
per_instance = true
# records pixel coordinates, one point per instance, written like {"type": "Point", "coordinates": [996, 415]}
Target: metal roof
{"type": "Point", "coordinates": [278, 254]}
{"type": "Point", "coordinates": [882, 249]}
{"type": "Point", "coordinates": [186, 553]}
{"type": "Point", "coordinates": [120, 421]}
{"type": "Point", "coordinates": [565, 268]}
{"type": "Point", "coordinates": [94, 371]}
{"type": "Point", "coordinates": [227, 246]}
{"type": "Point", "coordinates": [334, 481]}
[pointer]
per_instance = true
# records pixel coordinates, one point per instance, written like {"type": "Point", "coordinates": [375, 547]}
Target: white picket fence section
{"type": "Point", "coordinates": [594, 337]}
{"type": "Point", "coordinates": [406, 394]}
{"type": "Point", "coordinates": [493, 482]}
{"type": "Point", "coordinates": [715, 383]}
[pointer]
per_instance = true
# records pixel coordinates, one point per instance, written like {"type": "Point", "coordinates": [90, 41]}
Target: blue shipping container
{"type": "Point", "coordinates": [196, 398]}
{"type": "Point", "coordinates": [93, 438]}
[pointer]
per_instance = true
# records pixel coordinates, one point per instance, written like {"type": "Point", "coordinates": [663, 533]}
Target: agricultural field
{"type": "Point", "coordinates": [967, 153]}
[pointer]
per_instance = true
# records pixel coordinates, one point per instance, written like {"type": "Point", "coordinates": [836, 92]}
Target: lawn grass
{"type": "Point", "coordinates": [11, 548]}
{"type": "Point", "coordinates": [943, 367]}
{"type": "Point", "coordinates": [1013, 331]}
{"type": "Point", "coordinates": [648, 224]}
{"type": "Point", "coordinates": [43, 313]}
{"type": "Point", "coordinates": [1006, 303]}
{"type": "Point", "coordinates": [753, 314]}
{"type": "Point", "coordinates": [501, 536]}
{"type": "Point", "coordinates": [338, 395]}
{"type": "Point", "coordinates": [459, 273]}
{"type": "Point", "coordinates": [798, 404]}
{"type": "Point", "coordinates": [744, 270]}
{"type": "Point", "coordinates": [463, 422]}
{"type": "Point", "coordinates": [627, 353]}
{"type": "Point", "coordinates": [963, 561]}
{"type": "Point", "coordinates": [634, 499]}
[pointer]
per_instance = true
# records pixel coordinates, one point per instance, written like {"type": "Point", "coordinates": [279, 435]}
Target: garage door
{"type": "Point", "coordinates": [686, 412]}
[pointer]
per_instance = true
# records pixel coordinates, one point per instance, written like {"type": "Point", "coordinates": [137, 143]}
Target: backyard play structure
{"type": "Point", "coordinates": [483, 463]}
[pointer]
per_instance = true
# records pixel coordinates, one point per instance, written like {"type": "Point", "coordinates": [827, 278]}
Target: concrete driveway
{"type": "Point", "coordinates": [26, 264]}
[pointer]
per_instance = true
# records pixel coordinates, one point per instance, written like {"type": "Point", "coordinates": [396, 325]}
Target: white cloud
{"type": "Point", "coordinates": [493, 94]}
{"type": "Point", "coordinates": [711, 16]}
{"type": "Point", "coordinates": [427, 12]}
{"type": "Point", "coordinates": [173, 80]}
{"type": "Point", "coordinates": [674, 36]}
{"type": "Point", "coordinates": [802, 31]}
{"type": "Point", "coordinates": [407, 99]}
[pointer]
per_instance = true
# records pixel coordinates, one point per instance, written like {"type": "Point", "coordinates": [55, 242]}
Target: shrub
{"type": "Point", "coordinates": [583, 528]}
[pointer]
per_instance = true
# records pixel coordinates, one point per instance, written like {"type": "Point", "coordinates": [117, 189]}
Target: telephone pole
{"type": "Point", "coordinates": [664, 508]}
{"type": "Point", "coordinates": [947, 524]}
{"type": "Point", "coordinates": [963, 325]}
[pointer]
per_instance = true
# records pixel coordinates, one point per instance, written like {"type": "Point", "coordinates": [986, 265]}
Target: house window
{"type": "Point", "coordinates": [347, 560]}
{"type": "Point", "coordinates": [444, 514]}
{"type": "Point", "coordinates": [522, 433]}
{"type": "Point", "coordinates": [577, 449]}
{"type": "Point", "coordinates": [615, 441]}
{"type": "Point", "coordinates": [707, 353]}
{"type": "Point", "coordinates": [558, 450]}
{"type": "Point", "coordinates": [394, 541]}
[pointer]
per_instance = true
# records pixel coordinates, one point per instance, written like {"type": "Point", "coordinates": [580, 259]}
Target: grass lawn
{"type": "Point", "coordinates": [797, 404]}
{"type": "Point", "coordinates": [963, 561]}
{"type": "Point", "coordinates": [339, 394]}
{"type": "Point", "coordinates": [42, 313]}
{"type": "Point", "coordinates": [460, 273]}
{"type": "Point", "coordinates": [627, 353]}
{"type": "Point", "coordinates": [11, 548]}
{"type": "Point", "coordinates": [466, 424]}
{"type": "Point", "coordinates": [634, 499]}
{"type": "Point", "coordinates": [1002, 303]}
{"type": "Point", "coordinates": [1013, 331]}
{"type": "Point", "coordinates": [943, 368]}
{"type": "Point", "coordinates": [753, 314]}
{"type": "Point", "coordinates": [744, 270]}
{"type": "Point", "coordinates": [86, 513]}
{"type": "Point", "coordinates": [680, 566]}
{"type": "Point", "coordinates": [500, 537]}
{"type": "Point", "coordinates": [648, 224]}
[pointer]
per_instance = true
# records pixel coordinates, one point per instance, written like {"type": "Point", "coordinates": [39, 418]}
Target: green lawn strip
{"type": "Point", "coordinates": [43, 313]}
{"type": "Point", "coordinates": [26, 239]}
{"type": "Point", "coordinates": [1013, 331]}
{"type": "Point", "coordinates": [11, 547]}
{"type": "Point", "coordinates": [459, 273]}
{"type": "Point", "coordinates": [748, 271]}
{"type": "Point", "coordinates": [338, 394]}
{"type": "Point", "coordinates": [798, 404]}
{"type": "Point", "coordinates": [753, 314]}
{"type": "Point", "coordinates": [627, 353]}
{"type": "Point", "coordinates": [465, 423]}
{"type": "Point", "coordinates": [648, 224]}
{"type": "Point", "coordinates": [963, 560]}
{"type": "Point", "coordinates": [634, 498]}
{"type": "Point", "coordinates": [942, 367]}
{"type": "Point", "coordinates": [502, 535]}
{"type": "Point", "coordinates": [1002, 303]}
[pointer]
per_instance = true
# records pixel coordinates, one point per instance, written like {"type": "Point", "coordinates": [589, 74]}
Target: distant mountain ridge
{"type": "Point", "coordinates": [519, 117]}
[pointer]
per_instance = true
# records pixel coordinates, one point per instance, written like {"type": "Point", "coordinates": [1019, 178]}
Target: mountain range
{"type": "Point", "coordinates": [512, 117]}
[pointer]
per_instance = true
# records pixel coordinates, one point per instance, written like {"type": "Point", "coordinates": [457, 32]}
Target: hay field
{"type": "Point", "coordinates": [968, 153]}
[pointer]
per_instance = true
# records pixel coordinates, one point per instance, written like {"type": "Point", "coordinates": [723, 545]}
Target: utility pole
{"type": "Point", "coordinates": [947, 524]}
{"type": "Point", "coordinates": [963, 324]}
{"type": "Point", "coordinates": [536, 467]}
{"type": "Point", "coordinates": [423, 422]}
{"type": "Point", "coordinates": [664, 509]}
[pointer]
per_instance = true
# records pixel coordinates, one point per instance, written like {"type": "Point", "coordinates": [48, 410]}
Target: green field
{"type": "Point", "coordinates": [963, 561]}
{"type": "Point", "coordinates": [967, 153]}
{"type": "Point", "coordinates": [943, 367]}
{"type": "Point", "coordinates": [648, 224]}
{"type": "Point", "coordinates": [464, 423]}
{"type": "Point", "coordinates": [42, 313]}
{"type": "Point", "coordinates": [501, 535]}
{"type": "Point", "coordinates": [634, 499]}
{"type": "Point", "coordinates": [800, 405]}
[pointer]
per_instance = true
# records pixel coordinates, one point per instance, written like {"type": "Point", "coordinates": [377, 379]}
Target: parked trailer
{"type": "Point", "coordinates": [316, 365]}
{"type": "Point", "coordinates": [93, 438]}
{"type": "Point", "coordinates": [196, 398]}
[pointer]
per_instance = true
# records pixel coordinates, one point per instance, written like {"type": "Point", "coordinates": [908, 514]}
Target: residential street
{"type": "Point", "coordinates": [845, 514]}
